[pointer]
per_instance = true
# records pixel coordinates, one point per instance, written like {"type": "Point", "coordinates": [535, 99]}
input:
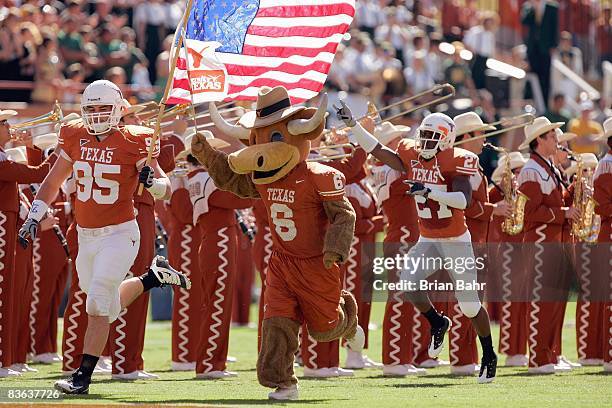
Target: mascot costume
{"type": "Point", "coordinates": [312, 225]}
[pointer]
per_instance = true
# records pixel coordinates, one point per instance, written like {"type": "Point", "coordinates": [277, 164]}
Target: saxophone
{"type": "Point", "coordinates": [582, 229]}
{"type": "Point", "coordinates": [513, 224]}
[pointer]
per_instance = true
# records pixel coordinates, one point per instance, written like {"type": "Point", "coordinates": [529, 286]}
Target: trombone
{"type": "Point", "coordinates": [53, 117]}
{"type": "Point", "coordinates": [527, 117]}
{"type": "Point", "coordinates": [374, 113]}
{"type": "Point", "coordinates": [336, 156]}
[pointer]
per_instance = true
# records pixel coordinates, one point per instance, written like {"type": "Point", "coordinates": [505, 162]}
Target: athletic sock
{"type": "Point", "coordinates": [88, 364]}
{"type": "Point", "coordinates": [149, 281]}
{"type": "Point", "coordinates": [434, 318]}
{"type": "Point", "coordinates": [487, 345]}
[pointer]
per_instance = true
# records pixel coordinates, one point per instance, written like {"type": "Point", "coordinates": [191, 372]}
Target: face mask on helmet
{"type": "Point", "coordinates": [429, 143]}
{"type": "Point", "coordinates": [102, 121]}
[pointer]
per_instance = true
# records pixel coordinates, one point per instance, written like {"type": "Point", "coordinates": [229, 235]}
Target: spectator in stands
{"type": "Point", "coordinates": [338, 73]}
{"type": "Point", "coordinates": [480, 39]}
{"type": "Point", "coordinates": [369, 15]}
{"type": "Point", "coordinates": [11, 47]}
{"type": "Point", "coordinates": [557, 111]}
{"type": "Point", "coordinates": [451, 20]}
{"type": "Point", "coordinates": [136, 56]}
{"type": "Point", "coordinates": [70, 41]}
{"type": "Point", "coordinates": [393, 32]}
{"type": "Point", "coordinates": [457, 73]}
{"type": "Point", "coordinates": [435, 57]}
{"type": "Point", "coordinates": [604, 36]}
{"type": "Point", "coordinates": [541, 21]}
{"type": "Point", "coordinates": [586, 130]}
{"type": "Point", "coordinates": [418, 43]}
{"type": "Point", "coordinates": [364, 76]}
{"type": "Point", "coordinates": [73, 10]}
{"type": "Point", "coordinates": [149, 20]}
{"type": "Point", "coordinates": [48, 75]}
{"type": "Point", "coordinates": [572, 57]}
{"type": "Point", "coordinates": [111, 50]}
{"type": "Point", "coordinates": [72, 87]}
{"type": "Point", "coordinates": [418, 77]}
{"type": "Point", "coordinates": [162, 66]}
{"type": "Point", "coordinates": [50, 18]}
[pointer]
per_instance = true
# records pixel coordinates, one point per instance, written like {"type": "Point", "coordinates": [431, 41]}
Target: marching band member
{"type": "Point", "coordinates": [589, 312]}
{"type": "Point", "coordinates": [106, 162]}
{"type": "Point", "coordinates": [214, 215]}
{"type": "Point", "coordinates": [513, 310]}
{"type": "Point", "coordinates": [183, 251]}
{"type": "Point", "coordinates": [245, 270]}
{"type": "Point", "coordinates": [50, 267]}
{"type": "Point", "coordinates": [603, 197]}
{"type": "Point", "coordinates": [11, 174]}
{"type": "Point", "coordinates": [545, 215]}
{"type": "Point", "coordinates": [183, 246]}
{"type": "Point", "coordinates": [358, 278]}
{"type": "Point", "coordinates": [23, 285]}
{"type": "Point", "coordinates": [434, 166]}
{"type": "Point", "coordinates": [462, 337]}
{"type": "Point", "coordinates": [562, 161]}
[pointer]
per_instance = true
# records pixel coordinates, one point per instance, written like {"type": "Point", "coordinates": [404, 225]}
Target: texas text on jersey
{"type": "Point", "coordinates": [105, 171]}
{"type": "Point", "coordinates": [437, 220]}
{"type": "Point", "coordinates": [297, 219]}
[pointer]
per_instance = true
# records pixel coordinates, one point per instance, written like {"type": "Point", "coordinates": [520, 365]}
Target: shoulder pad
{"type": "Point", "coordinates": [459, 152]}
{"type": "Point", "coordinates": [135, 130]}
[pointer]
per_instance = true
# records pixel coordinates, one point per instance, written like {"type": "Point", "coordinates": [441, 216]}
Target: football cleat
{"type": "Point", "coordinates": [436, 344]}
{"type": "Point", "coordinates": [78, 383]}
{"type": "Point", "coordinates": [488, 368]}
{"type": "Point", "coordinates": [167, 275]}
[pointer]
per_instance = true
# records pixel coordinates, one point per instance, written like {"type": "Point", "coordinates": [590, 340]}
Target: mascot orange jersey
{"type": "Point", "coordinates": [106, 173]}
{"type": "Point", "coordinates": [437, 220]}
{"type": "Point", "coordinates": [298, 223]}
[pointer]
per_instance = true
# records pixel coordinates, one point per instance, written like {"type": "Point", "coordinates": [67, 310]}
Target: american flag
{"type": "Point", "coordinates": [258, 43]}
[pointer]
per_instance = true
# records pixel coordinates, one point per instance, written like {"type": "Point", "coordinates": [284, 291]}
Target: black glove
{"type": "Point", "coordinates": [29, 229]}
{"type": "Point", "coordinates": [343, 113]}
{"type": "Point", "coordinates": [418, 189]}
{"type": "Point", "coordinates": [146, 176]}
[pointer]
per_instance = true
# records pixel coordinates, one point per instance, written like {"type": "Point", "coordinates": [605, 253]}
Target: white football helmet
{"type": "Point", "coordinates": [436, 133]}
{"type": "Point", "coordinates": [101, 93]}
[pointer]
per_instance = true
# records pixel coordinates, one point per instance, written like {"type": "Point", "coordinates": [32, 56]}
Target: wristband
{"type": "Point", "coordinates": [455, 199]}
{"type": "Point", "coordinates": [38, 210]}
{"type": "Point", "coordinates": [158, 188]}
{"type": "Point", "coordinates": [365, 139]}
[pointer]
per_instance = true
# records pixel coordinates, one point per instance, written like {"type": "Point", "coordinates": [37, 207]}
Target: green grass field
{"type": "Point", "coordinates": [583, 387]}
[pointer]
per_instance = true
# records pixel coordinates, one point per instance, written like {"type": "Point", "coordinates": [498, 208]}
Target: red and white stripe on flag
{"type": "Point", "coordinates": [290, 43]}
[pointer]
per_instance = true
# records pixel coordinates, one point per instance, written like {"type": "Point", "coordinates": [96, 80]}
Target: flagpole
{"type": "Point", "coordinates": [164, 98]}
{"type": "Point", "coordinates": [193, 112]}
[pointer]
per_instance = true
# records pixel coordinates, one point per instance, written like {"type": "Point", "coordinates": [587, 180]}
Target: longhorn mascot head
{"type": "Point", "coordinates": [277, 134]}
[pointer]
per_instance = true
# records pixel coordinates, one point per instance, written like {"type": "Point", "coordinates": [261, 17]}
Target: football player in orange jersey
{"type": "Point", "coordinates": [439, 176]}
{"type": "Point", "coordinates": [107, 161]}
